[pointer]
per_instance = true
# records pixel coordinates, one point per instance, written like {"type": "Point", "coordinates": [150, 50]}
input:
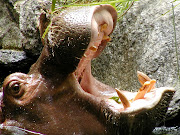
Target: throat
{"type": "Point", "coordinates": [90, 85]}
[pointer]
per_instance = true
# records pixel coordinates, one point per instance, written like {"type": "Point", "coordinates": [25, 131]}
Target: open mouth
{"type": "Point", "coordinates": [103, 23]}
{"type": "Point", "coordinates": [102, 26]}
{"type": "Point", "coordinates": [123, 111]}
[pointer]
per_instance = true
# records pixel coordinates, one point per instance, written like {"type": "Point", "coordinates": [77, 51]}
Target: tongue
{"type": "Point", "coordinates": [93, 86]}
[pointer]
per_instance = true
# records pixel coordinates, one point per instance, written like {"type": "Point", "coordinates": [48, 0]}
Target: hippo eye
{"type": "Point", "coordinates": [15, 89]}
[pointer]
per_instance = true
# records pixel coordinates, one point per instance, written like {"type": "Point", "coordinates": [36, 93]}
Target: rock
{"type": "Point", "coordinates": [20, 44]}
{"type": "Point", "coordinates": [144, 40]}
{"type": "Point", "coordinates": [9, 27]}
{"type": "Point", "coordinates": [9, 40]}
{"type": "Point", "coordinates": [30, 11]}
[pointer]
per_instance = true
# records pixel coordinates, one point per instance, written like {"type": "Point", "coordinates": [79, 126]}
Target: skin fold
{"type": "Point", "coordinates": [59, 95]}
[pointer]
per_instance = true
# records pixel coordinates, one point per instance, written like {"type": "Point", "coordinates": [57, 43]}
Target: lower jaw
{"type": "Point", "coordinates": [104, 92]}
{"type": "Point", "coordinates": [135, 120]}
{"type": "Point", "coordinates": [138, 120]}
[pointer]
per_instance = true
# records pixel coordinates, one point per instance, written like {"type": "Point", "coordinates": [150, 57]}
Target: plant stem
{"type": "Point", "coordinates": [53, 5]}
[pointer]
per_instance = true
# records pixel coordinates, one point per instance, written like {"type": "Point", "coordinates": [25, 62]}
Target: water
{"type": "Point", "coordinates": [166, 131]}
{"type": "Point", "coordinates": [12, 130]}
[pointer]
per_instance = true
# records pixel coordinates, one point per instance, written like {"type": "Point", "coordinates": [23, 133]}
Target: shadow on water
{"type": "Point", "coordinates": [12, 130]}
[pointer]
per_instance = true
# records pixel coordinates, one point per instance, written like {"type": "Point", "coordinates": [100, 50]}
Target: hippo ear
{"type": "Point", "coordinates": [43, 24]}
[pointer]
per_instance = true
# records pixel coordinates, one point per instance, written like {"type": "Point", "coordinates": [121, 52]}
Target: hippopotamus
{"type": "Point", "coordinates": [59, 95]}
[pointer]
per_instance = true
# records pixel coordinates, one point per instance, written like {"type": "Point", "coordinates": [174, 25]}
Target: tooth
{"type": "Point", "coordinates": [147, 87]}
{"type": "Point", "coordinates": [93, 48]}
{"type": "Point", "coordinates": [103, 27]}
{"type": "Point", "coordinates": [85, 55]}
{"type": "Point", "coordinates": [106, 38]}
{"type": "Point", "coordinates": [142, 77]}
{"type": "Point", "coordinates": [78, 58]}
{"type": "Point", "coordinates": [152, 85]}
{"type": "Point", "coordinates": [142, 91]}
{"type": "Point", "coordinates": [123, 99]}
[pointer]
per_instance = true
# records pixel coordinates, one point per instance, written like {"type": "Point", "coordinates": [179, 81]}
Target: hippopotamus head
{"type": "Point", "coordinates": [59, 95]}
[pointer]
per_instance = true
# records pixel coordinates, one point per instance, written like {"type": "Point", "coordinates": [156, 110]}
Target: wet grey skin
{"type": "Point", "coordinates": [60, 96]}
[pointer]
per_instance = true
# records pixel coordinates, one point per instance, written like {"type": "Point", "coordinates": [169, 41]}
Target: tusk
{"type": "Point", "coordinates": [142, 77]}
{"type": "Point", "coordinates": [123, 99]}
{"type": "Point", "coordinates": [152, 85]}
{"type": "Point", "coordinates": [147, 86]}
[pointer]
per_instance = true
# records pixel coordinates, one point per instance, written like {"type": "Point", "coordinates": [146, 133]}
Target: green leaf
{"type": "Point", "coordinates": [116, 99]}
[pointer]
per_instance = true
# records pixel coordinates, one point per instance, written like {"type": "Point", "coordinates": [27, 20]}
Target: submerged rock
{"type": "Point", "coordinates": [166, 131]}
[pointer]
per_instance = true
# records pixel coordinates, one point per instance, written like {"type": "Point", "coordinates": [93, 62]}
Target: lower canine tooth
{"type": "Point", "coordinates": [152, 85]}
{"type": "Point", "coordinates": [123, 99]}
{"type": "Point", "coordinates": [142, 77]}
{"type": "Point", "coordinates": [147, 87]}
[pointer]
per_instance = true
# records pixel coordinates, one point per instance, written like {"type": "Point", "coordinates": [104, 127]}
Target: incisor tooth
{"type": "Point", "coordinates": [106, 38]}
{"type": "Point", "coordinates": [93, 48]}
{"type": "Point", "coordinates": [85, 55]}
{"type": "Point", "coordinates": [123, 99]}
{"type": "Point", "coordinates": [103, 27]}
